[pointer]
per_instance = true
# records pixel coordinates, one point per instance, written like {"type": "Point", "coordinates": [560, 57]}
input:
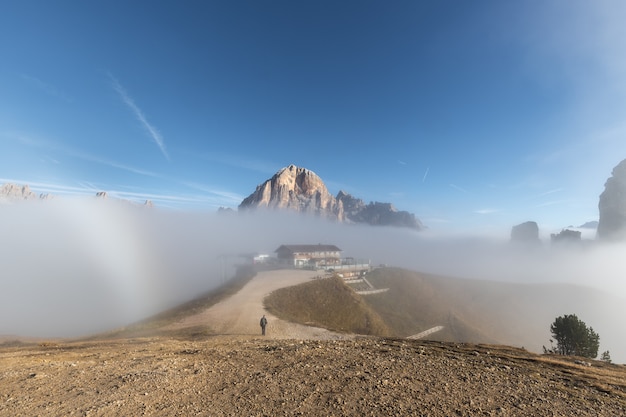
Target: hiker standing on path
{"type": "Point", "coordinates": [263, 324]}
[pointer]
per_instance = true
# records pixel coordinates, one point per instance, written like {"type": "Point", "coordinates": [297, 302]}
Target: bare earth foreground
{"type": "Point", "coordinates": [296, 370]}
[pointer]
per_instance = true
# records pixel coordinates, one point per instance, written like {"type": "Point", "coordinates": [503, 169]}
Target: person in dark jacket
{"type": "Point", "coordinates": [263, 324]}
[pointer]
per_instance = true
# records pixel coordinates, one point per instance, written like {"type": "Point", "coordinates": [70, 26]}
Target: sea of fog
{"type": "Point", "coordinates": [78, 267]}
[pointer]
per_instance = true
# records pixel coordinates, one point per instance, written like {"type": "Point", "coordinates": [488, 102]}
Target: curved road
{"type": "Point", "coordinates": [240, 314]}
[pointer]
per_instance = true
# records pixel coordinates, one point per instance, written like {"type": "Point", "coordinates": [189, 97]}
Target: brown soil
{"type": "Point", "coordinates": [228, 369]}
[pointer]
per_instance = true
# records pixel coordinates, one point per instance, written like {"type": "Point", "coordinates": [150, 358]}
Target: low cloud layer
{"type": "Point", "coordinates": [72, 268]}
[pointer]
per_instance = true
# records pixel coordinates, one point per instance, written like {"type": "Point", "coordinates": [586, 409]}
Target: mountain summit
{"type": "Point", "coordinates": [13, 192]}
{"type": "Point", "coordinates": [301, 190]}
{"type": "Point", "coordinates": [296, 189]}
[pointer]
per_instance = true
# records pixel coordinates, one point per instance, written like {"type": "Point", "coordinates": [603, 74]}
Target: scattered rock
{"type": "Point", "coordinates": [248, 376]}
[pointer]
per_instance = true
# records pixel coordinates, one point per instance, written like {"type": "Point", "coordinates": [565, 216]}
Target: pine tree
{"type": "Point", "coordinates": [573, 337]}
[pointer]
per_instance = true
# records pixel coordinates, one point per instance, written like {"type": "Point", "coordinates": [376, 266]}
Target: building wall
{"type": "Point", "coordinates": [300, 259]}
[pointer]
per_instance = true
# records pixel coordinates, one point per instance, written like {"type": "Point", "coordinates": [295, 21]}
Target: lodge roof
{"type": "Point", "coordinates": [308, 248]}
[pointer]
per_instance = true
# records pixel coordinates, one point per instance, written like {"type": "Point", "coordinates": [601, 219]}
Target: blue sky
{"type": "Point", "coordinates": [475, 116]}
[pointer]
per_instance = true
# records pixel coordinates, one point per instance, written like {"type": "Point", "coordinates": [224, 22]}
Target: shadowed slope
{"type": "Point", "coordinates": [473, 311]}
{"type": "Point", "coordinates": [516, 314]}
{"type": "Point", "coordinates": [328, 303]}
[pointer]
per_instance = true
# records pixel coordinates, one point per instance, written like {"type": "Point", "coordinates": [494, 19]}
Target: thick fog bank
{"type": "Point", "coordinates": [77, 267]}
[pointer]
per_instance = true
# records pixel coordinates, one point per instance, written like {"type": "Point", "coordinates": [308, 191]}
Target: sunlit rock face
{"type": "Point", "coordinates": [299, 189]}
{"type": "Point", "coordinates": [527, 232]}
{"type": "Point", "coordinates": [296, 189]}
{"type": "Point", "coordinates": [612, 205]}
{"type": "Point", "coordinates": [13, 192]}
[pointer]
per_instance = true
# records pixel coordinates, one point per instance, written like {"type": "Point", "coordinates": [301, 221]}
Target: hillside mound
{"type": "Point", "coordinates": [327, 303]}
{"type": "Point", "coordinates": [481, 311]}
{"type": "Point", "coordinates": [469, 310]}
{"type": "Point", "coordinates": [416, 302]}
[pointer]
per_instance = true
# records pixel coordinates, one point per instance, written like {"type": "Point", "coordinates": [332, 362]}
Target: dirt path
{"type": "Point", "coordinates": [240, 314]}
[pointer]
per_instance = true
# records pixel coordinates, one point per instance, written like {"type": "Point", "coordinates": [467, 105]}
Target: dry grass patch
{"type": "Point", "coordinates": [327, 303]}
{"type": "Point", "coordinates": [416, 302]}
{"type": "Point", "coordinates": [605, 377]}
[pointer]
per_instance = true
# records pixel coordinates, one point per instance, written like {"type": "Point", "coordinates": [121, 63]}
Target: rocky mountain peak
{"type": "Point", "coordinates": [299, 189]}
{"type": "Point", "coordinates": [351, 205]}
{"type": "Point", "coordinates": [14, 192]}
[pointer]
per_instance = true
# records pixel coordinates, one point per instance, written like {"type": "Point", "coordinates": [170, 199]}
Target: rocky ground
{"type": "Point", "coordinates": [238, 376]}
{"type": "Point", "coordinates": [227, 369]}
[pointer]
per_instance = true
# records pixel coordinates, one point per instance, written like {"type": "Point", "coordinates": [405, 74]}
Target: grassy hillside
{"type": "Point", "coordinates": [416, 302]}
{"type": "Point", "coordinates": [475, 311]}
{"type": "Point", "coordinates": [511, 313]}
{"type": "Point", "coordinates": [327, 303]}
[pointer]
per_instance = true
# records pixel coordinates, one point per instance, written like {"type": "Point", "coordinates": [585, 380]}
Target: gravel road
{"type": "Point", "coordinates": [240, 314]}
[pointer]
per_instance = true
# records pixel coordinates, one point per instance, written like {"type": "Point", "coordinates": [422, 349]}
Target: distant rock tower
{"type": "Point", "coordinates": [527, 232]}
{"type": "Point", "coordinates": [612, 205]}
{"type": "Point", "coordinates": [566, 236]}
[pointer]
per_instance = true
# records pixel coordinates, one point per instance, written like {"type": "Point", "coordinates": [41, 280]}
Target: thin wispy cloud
{"type": "Point", "coordinates": [551, 203]}
{"type": "Point", "coordinates": [456, 187]}
{"type": "Point", "coordinates": [543, 194]}
{"type": "Point", "coordinates": [227, 196]}
{"type": "Point", "coordinates": [45, 87]}
{"type": "Point", "coordinates": [425, 174]}
{"type": "Point", "coordinates": [130, 103]}
{"type": "Point", "coordinates": [81, 189]}
{"type": "Point", "coordinates": [556, 190]}
{"type": "Point", "coordinates": [486, 211]}
{"type": "Point", "coordinates": [92, 158]}
{"type": "Point", "coordinates": [239, 161]}
{"type": "Point", "coordinates": [127, 168]}
{"type": "Point", "coordinates": [433, 220]}
{"type": "Point", "coordinates": [51, 160]}
{"type": "Point", "coordinates": [37, 142]}
{"type": "Point", "coordinates": [89, 186]}
{"type": "Point", "coordinates": [169, 200]}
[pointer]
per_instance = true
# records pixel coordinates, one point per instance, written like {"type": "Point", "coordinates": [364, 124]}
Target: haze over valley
{"type": "Point", "coordinates": [409, 192]}
{"type": "Point", "coordinates": [76, 267]}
